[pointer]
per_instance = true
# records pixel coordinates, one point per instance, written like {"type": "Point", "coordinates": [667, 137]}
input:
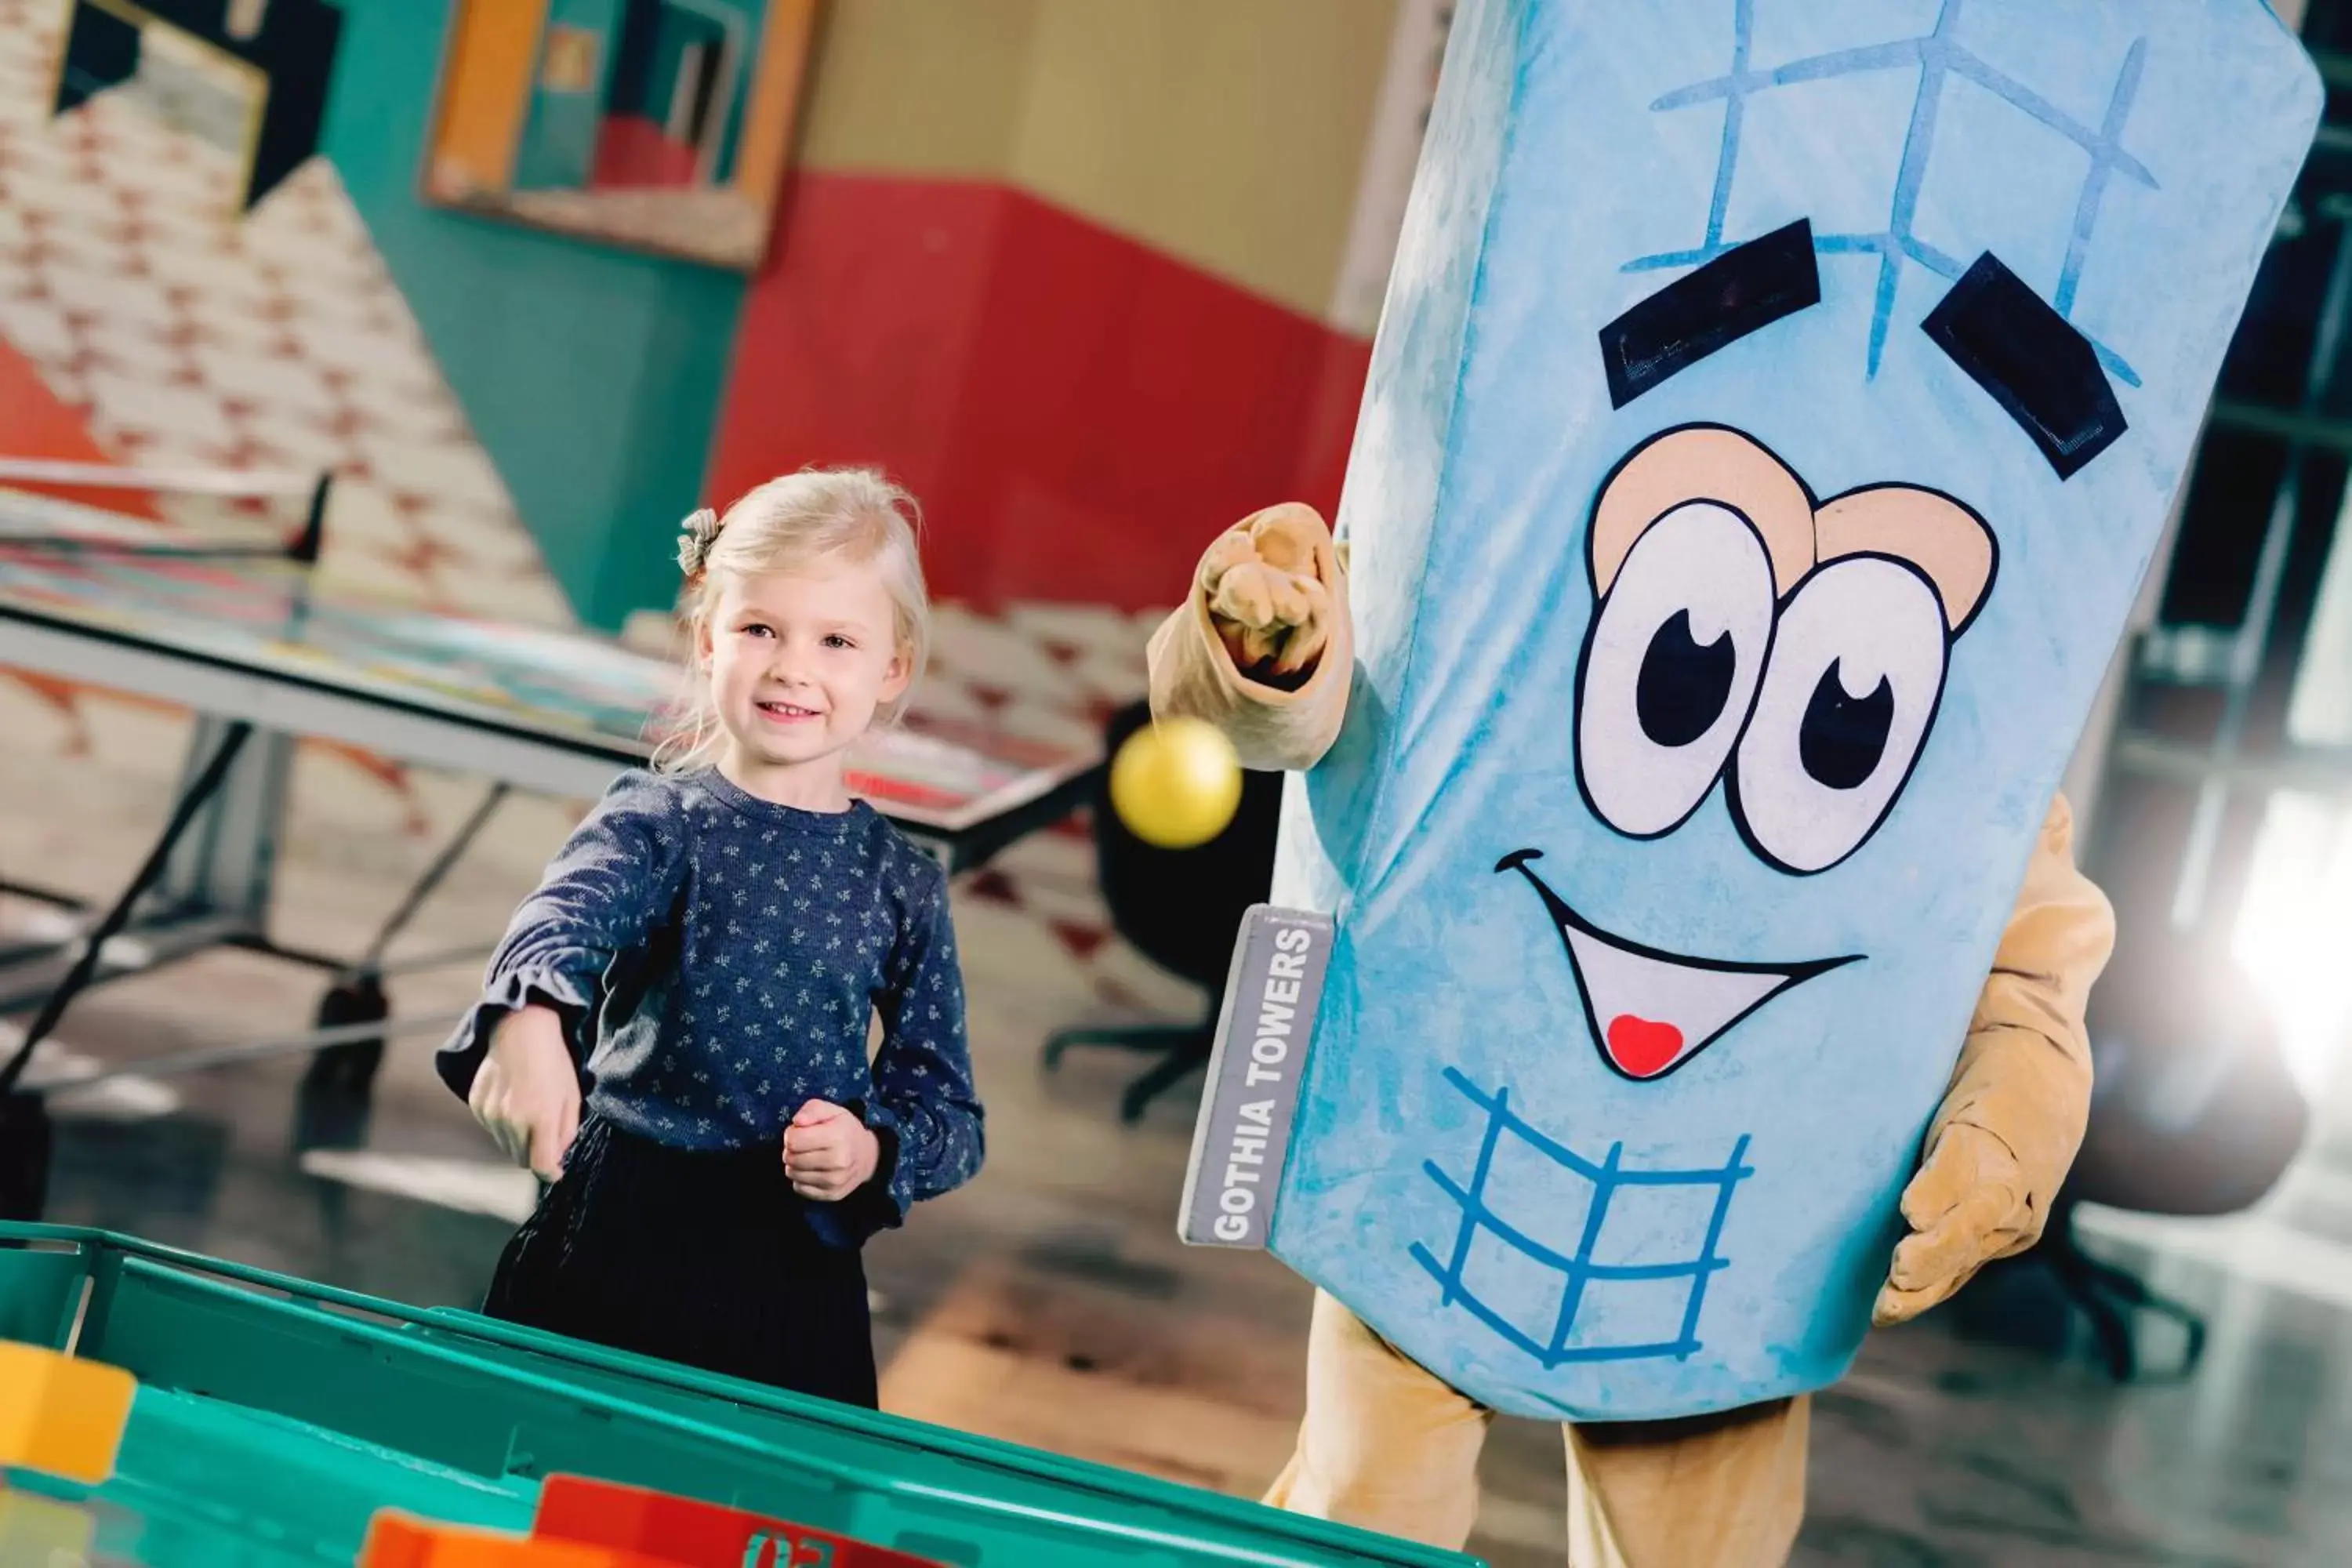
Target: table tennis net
{"type": "Point", "coordinates": [233, 513]}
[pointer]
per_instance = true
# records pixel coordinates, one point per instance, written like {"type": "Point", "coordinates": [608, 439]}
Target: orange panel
{"type": "Point", "coordinates": [35, 424]}
{"type": "Point", "coordinates": [61, 1415]}
{"type": "Point", "coordinates": [775, 95]}
{"type": "Point", "coordinates": [485, 92]}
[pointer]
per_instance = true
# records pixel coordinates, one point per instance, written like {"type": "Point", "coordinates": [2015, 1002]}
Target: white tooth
{"type": "Point", "coordinates": [1700, 1002]}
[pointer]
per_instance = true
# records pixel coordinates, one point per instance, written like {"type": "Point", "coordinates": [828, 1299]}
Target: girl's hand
{"type": "Point", "coordinates": [527, 1093]}
{"type": "Point", "coordinates": [828, 1152]}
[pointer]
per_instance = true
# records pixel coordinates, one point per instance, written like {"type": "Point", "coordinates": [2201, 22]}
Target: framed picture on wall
{"type": "Point", "coordinates": [242, 85]}
{"type": "Point", "coordinates": [656, 125]}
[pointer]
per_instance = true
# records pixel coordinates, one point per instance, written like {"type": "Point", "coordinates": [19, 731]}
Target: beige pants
{"type": "Point", "coordinates": [1387, 1446]}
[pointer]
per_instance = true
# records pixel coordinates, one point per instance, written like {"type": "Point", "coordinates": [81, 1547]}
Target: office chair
{"type": "Point", "coordinates": [1182, 909]}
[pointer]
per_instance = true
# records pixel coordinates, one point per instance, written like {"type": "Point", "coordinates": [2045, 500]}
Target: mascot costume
{"type": "Point", "coordinates": [1677, 962]}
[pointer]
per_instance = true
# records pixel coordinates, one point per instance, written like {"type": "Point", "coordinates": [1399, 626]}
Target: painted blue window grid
{"type": "Point", "coordinates": [1607, 1179]}
{"type": "Point", "coordinates": [1938, 57]}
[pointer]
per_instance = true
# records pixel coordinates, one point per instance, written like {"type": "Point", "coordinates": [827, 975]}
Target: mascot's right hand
{"type": "Point", "coordinates": [1265, 593]}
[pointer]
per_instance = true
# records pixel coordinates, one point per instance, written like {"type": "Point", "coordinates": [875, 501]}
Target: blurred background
{"type": "Point", "coordinates": [527, 280]}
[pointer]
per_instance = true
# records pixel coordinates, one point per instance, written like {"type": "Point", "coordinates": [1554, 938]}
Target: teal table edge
{"type": "Point", "coordinates": [63, 1304]}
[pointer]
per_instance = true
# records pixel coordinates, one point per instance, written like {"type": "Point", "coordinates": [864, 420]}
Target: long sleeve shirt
{"type": "Point", "coordinates": [717, 959]}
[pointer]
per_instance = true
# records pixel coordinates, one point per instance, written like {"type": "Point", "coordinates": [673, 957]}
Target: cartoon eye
{"type": "Point", "coordinates": [1855, 673]}
{"type": "Point", "coordinates": [1671, 667]}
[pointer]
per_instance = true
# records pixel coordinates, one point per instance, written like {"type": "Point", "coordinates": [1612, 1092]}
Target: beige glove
{"type": "Point", "coordinates": [1267, 600]}
{"type": "Point", "coordinates": [2010, 1125]}
{"type": "Point", "coordinates": [1262, 648]}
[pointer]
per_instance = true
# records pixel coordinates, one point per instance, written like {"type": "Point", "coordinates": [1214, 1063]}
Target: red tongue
{"type": "Point", "coordinates": [1641, 1048]}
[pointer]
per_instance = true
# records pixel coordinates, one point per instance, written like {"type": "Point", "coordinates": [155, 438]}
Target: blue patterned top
{"type": "Point", "coordinates": [717, 959]}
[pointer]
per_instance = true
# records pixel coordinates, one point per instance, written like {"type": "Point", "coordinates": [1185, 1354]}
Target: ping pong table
{"type": "Point", "coordinates": [266, 649]}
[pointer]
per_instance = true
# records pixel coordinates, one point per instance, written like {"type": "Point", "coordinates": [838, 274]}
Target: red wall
{"type": "Point", "coordinates": [1078, 414]}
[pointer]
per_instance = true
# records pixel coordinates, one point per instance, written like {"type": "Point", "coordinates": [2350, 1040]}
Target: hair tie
{"type": "Point", "coordinates": [694, 544]}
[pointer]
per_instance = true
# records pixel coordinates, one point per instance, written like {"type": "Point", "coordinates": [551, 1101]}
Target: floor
{"type": "Point", "coordinates": [1049, 1303]}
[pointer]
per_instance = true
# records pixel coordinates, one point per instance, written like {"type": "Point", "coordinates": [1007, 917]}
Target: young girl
{"type": "Point", "coordinates": [705, 955]}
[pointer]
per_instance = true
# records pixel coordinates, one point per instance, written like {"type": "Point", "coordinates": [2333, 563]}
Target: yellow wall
{"type": "Point", "coordinates": [918, 86]}
{"type": "Point", "coordinates": [1228, 134]}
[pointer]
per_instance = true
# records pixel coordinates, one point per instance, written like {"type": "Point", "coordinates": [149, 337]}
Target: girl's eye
{"type": "Point", "coordinates": [756, 630]}
{"type": "Point", "coordinates": [837, 640]}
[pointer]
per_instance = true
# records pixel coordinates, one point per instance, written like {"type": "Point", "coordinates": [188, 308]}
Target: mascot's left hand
{"type": "Point", "coordinates": [1969, 1205]}
{"type": "Point", "coordinates": [2003, 1141]}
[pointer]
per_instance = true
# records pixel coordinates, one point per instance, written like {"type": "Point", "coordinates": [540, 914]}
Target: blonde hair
{"type": "Point", "coordinates": [817, 516]}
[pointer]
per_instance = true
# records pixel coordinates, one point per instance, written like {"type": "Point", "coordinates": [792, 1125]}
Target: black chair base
{"type": "Point", "coordinates": [2033, 1303]}
{"type": "Point", "coordinates": [2110, 1298]}
{"type": "Point", "coordinates": [1183, 1048]}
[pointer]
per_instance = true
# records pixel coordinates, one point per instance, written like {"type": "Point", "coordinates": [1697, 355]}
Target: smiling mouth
{"type": "Point", "coordinates": [1652, 1011]}
{"type": "Point", "coordinates": [787, 711]}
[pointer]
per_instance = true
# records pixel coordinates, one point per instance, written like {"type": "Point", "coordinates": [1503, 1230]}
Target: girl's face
{"type": "Point", "coordinates": [798, 662]}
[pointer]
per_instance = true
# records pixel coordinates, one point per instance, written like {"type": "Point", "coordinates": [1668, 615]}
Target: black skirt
{"type": "Point", "coordinates": [705, 1259]}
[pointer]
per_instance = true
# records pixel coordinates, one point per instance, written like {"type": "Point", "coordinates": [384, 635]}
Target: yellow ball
{"type": "Point", "coordinates": [1176, 784]}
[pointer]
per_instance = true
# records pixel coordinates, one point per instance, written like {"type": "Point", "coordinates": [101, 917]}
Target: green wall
{"type": "Point", "coordinates": [592, 376]}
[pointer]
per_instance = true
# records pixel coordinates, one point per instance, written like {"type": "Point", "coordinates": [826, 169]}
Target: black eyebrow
{"type": "Point", "coordinates": [1743, 290]}
{"type": "Point", "coordinates": [2032, 361]}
